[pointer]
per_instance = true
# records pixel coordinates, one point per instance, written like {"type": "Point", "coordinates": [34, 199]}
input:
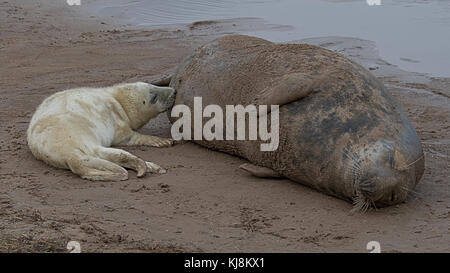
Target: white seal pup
{"type": "Point", "coordinates": [74, 129]}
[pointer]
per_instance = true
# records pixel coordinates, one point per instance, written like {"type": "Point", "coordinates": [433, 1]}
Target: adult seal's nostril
{"type": "Point", "coordinates": [367, 186]}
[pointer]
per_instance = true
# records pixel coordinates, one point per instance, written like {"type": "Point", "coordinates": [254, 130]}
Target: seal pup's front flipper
{"type": "Point", "coordinates": [287, 89]}
{"type": "Point", "coordinates": [259, 171]}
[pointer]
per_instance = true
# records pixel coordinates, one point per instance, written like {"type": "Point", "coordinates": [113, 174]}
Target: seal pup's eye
{"type": "Point", "coordinates": [154, 99]}
{"type": "Point", "coordinates": [143, 102]}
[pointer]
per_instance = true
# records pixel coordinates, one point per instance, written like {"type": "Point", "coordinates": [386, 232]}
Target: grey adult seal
{"type": "Point", "coordinates": [341, 131]}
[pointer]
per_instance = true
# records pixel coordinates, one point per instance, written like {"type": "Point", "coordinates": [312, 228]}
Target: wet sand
{"type": "Point", "coordinates": [204, 203]}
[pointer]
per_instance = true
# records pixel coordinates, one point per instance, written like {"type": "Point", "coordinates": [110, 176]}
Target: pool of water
{"type": "Point", "coordinates": [413, 34]}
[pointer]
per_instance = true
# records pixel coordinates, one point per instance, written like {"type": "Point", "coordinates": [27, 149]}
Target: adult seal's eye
{"type": "Point", "coordinates": [143, 102]}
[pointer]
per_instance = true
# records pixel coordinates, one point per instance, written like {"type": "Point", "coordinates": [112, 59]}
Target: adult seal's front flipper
{"type": "Point", "coordinates": [289, 88]}
{"type": "Point", "coordinates": [259, 171]}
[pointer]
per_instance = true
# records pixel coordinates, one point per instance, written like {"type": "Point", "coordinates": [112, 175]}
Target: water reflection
{"type": "Point", "coordinates": [414, 34]}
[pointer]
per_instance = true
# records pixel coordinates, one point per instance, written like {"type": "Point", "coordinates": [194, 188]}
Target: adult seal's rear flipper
{"type": "Point", "coordinates": [259, 171]}
{"type": "Point", "coordinates": [162, 80]}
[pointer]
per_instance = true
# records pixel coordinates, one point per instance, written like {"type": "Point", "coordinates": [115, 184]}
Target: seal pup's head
{"type": "Point", "coordinates": [382, 173]}
{"type": "Point", "coordinates": [143, 101]}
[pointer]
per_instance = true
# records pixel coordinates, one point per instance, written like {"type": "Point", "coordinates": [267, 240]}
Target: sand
{"type": "Point", "coordinates": [204, 203]}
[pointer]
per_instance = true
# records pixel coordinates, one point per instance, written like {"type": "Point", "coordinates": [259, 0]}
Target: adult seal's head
{"type": "Point", "coordinates": [382, 173]}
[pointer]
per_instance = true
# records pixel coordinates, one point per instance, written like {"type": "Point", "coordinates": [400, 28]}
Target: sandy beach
{"type": "Point", "coordinates": [204, 203]}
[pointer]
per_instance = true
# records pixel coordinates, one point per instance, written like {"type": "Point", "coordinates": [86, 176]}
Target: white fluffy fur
{"type": "Point", "coordinates": [74, 129]}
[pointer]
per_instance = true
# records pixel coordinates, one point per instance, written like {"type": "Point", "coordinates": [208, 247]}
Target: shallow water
{"type": "Point", "coordinates": [413, 34]}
